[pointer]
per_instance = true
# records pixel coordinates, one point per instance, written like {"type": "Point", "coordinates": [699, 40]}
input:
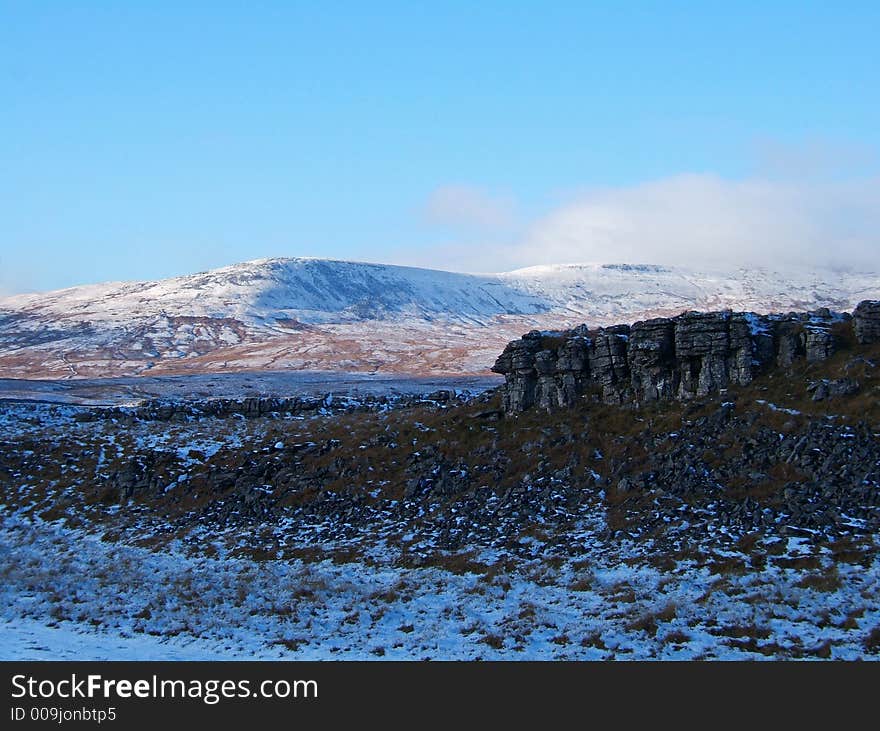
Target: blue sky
{"type": "Point", "coordinates": [141, 140]}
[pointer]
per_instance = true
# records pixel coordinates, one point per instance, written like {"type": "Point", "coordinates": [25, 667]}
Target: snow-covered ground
{"type": "Point", "coordinates": [67, 594]}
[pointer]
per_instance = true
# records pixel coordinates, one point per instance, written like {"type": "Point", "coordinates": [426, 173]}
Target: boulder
{"type": "Point", "coordinates": [866, 319]}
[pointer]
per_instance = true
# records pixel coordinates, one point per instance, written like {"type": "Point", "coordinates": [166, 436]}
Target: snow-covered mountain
{"type": "Point", "coordinates": [309, 313]}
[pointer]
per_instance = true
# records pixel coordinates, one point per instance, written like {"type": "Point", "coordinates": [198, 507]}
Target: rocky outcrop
{"type": "Point", "coordinates": [682, 357]}
{"type": "Point", "coordinates": [867, 322]}
{"type": "Point", "coordinates": [183, 410]}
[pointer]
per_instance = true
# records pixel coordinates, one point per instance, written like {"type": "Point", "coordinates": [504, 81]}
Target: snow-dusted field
{"type": "Point", "coordinates": [67, 594]}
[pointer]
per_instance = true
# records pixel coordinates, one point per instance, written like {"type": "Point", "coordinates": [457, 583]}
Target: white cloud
{"type": "Point", "coordinates": [690, 219]}
{"type": "Point", "coordinates": [468, 207]}
{"type": "Point", "coordinates": [706, 219]}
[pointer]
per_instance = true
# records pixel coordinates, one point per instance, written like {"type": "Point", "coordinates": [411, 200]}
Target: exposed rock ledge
{"type": "Point", "coordinates": [670, 358]}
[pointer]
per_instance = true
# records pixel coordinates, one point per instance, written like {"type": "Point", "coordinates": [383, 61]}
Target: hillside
{"type": "Point", "coordinates": [716, 524]}
{"type": "Point", "coordinates": [334, 315]}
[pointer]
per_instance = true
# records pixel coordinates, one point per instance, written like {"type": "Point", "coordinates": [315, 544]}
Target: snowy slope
{"type": "Point", "coordinates": [309, 290]}
{"type": "Point", "coordinates": [308, 313]}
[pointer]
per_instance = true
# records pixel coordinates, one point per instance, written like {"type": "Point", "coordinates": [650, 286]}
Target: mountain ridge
{"type": "Point", "coordinates": [312, 313]}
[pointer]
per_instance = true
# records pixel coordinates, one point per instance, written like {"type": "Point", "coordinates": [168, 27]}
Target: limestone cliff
{"type": "Point", "coordinates": [682, 357]}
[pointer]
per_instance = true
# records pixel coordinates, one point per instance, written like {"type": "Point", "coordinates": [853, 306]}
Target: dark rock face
{"type": "Point", "coordinates": [683, 357]}
{"type": "Point", "coordinates": [609, 365]}
{"type": "Point", "coordinates": [651, 358]}
{"type": "Point", "coordinates": [518, 360]}
{"type": "Point", "coordinates": [715, 349]}
{"type": "Point", "coordinates": [867, 322]}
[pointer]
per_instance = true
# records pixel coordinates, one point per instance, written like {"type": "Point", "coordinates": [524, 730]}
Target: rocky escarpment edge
{"type": "Point", "coordinates": [683, 357]}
